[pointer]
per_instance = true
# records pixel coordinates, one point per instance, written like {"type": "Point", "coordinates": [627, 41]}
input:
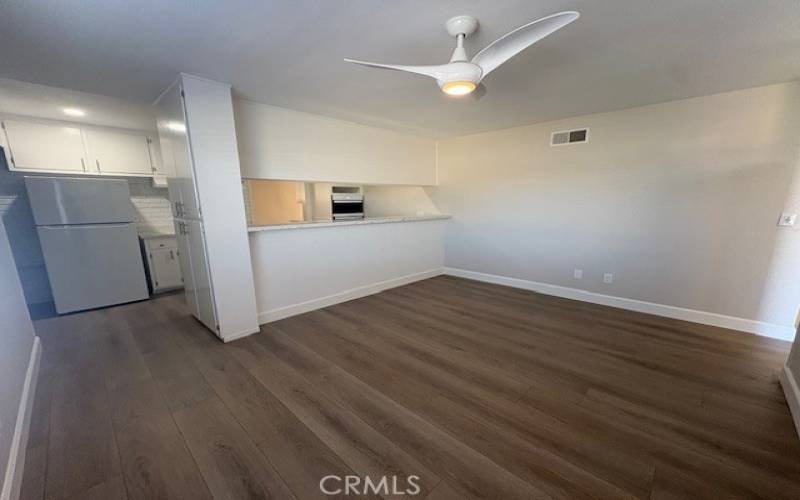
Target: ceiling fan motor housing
{"type": "Point", "coordinates": [460, 72]}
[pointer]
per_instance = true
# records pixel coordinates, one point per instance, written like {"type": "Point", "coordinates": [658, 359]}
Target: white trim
{"type": "Point", "coordinates": [344, 296]}
{"type": "Point", "coordinates": [240, 335]}
{"type": "Point", "coordinates": [19, 443]}
{"type": "Point", "coordinates": [707, 318]}
{"type": "Point", "coordinates": [792, 392]}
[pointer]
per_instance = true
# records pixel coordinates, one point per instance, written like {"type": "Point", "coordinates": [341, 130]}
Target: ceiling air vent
{"type": "Point", "coordinates": [566, 137]}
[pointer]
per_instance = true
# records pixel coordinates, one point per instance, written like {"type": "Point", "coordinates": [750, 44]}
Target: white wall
{"type": "Point", "coordinates": [278, 143]}
{"type": "Point", "coordinates": [298, 270]}
{"type": "Point", "coordinates": [679, 200]}
{"type": "Point", "coordinates": [17, 338]}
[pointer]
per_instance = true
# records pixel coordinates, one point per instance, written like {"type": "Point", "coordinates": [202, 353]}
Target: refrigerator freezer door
{"type": "Point", "coordinates": [62, 200]}
{"type": "Point", "coordinates": [93, 266]}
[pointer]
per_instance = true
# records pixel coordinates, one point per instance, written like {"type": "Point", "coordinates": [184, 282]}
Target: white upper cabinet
{"type": "Point", "coordinates": [114, 152]}
{"type": "Point", "coordinates": [34, 145]}
{"type": "Point", "coordinates": [44, 147]}
{"type": "Point", "coordinates": [278, 143]}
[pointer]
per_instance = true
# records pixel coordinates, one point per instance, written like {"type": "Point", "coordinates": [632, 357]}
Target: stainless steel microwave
{"type": "Point", "coordinates": [347, 206]}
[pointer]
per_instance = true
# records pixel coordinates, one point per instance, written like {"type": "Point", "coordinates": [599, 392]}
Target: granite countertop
{"type": "Point", "coordinates": [356, 222]}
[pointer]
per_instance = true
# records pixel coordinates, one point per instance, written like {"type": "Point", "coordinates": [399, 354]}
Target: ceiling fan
{"type": "Point", "coordinates": [461, 76]}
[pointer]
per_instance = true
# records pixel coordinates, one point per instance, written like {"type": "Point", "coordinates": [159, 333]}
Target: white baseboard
{"type": "Point", "coordinates": [19, 443]}
{"type": "Point", "coordinates": [240, 335]}
{"type": "Point", "coordinates": [707, 318]}
{"type": "Point", "coordinates": [344, 296]}
{"type": "Point", "coordinates": [792, 392]}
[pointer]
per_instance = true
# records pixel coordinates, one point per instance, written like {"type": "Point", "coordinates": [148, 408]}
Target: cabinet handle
{"type": "Point", "coordinates": [83, 165]}
{"type": "Point", "coordinates": [171, 255]}
{"type": "Point", "coordinates": [98, 164]}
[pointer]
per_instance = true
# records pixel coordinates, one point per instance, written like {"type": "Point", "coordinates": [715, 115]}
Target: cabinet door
{"type": "Point", "coordinates": [166, 271]}
{"type": "Point", "coordinates": [115, 152]}
{"type": "Point", "coordinates": [175, 153]}
{"type": "Point", "coordinates": [206, 309]}
{"type": "Point", "coordinates": [46, 147]}
{"type": "Point", "coordinates": [185, 264]}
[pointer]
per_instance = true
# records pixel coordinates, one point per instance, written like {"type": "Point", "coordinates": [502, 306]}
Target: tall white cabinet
{"type": "Point", "coordinates": [198, 143]}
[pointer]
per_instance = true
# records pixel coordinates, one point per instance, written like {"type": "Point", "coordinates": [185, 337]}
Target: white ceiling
{"type": "Point", "coordinates": [620, 53]}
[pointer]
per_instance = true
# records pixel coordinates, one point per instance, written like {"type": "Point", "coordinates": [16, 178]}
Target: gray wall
{"type": "Point", "coordinates": [679, 200]}
{"type": "Point", "coordinates": [16, 337]}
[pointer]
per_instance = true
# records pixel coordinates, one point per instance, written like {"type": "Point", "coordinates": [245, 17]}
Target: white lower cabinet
{"type": "Point", "coordinates": [163, 268]}
{"type": "Point", "coordinates": [46, 147]}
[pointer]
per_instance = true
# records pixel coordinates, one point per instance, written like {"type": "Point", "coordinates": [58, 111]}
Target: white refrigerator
{"type": "Point", "coordinates": [89, 241]}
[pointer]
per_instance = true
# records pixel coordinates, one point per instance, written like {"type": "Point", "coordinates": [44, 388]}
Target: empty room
{"type": "Point", "coordinates": [429, 250]}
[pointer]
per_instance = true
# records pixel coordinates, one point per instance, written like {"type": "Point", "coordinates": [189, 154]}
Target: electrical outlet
{"type": "Point", "coordinates": [608, 278]}
{"type": "Point", "coordinates": [787, 219]}
{"type": "Point", "coordinates": [578, 274]}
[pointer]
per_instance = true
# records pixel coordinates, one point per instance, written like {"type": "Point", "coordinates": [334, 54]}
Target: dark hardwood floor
{"type": "Point", "coordinates": [479, 390]}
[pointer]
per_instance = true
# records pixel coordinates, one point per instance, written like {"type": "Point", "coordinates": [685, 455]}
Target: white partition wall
{"type": "Point", "coordinates": [299, 270]}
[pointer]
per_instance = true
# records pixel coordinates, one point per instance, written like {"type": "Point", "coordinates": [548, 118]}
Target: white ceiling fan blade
{"type": "Point", "coordinates": [511, 44]}
{"type": "Point", "coordinates": [437, 72]}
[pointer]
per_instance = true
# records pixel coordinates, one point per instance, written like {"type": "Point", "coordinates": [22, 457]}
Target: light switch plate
{"type": "Point", "coordinates": [787, 219]}
{"type": "Point", "coordinates": [608, 278]}
{"type": "Point", "coordinates": [578, 274]}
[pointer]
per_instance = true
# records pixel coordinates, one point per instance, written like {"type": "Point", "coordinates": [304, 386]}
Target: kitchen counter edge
{"type": "Point", "coordinates": [358, 222]}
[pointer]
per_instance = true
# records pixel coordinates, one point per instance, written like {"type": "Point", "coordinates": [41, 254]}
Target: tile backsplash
{"type": "Point", "coordinates": [152, 207]}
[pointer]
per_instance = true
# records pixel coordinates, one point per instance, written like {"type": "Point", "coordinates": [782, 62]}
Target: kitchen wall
{"type": "Point", "coordinates": [151, 204]}
{"type": "Point", "coordinates": [15, 356]}
{"type": "Point", "coordinates": [678, 200]}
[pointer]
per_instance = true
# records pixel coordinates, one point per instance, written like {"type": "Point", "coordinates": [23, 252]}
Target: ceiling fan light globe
{"type": "Point", "coordinates": [458, 88]}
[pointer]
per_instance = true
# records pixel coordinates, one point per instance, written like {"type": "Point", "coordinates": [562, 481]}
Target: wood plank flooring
{"type": "Point", "coordinates": [480, 391]}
